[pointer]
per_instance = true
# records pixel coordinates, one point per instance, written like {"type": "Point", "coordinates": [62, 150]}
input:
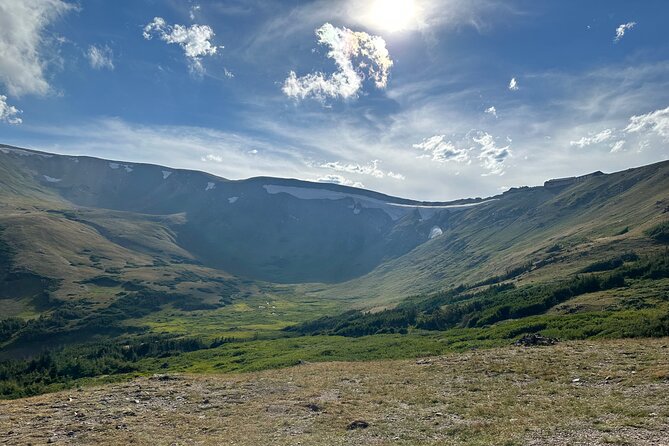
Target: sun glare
{"type": "Point", "coordinates": [393, 15]}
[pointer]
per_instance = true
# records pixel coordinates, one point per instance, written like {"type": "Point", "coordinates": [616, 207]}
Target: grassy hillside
{"type": "Point", "coordinates": [557, 230]}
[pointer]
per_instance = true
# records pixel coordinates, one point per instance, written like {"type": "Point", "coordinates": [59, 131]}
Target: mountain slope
{"type": "Point", "coordinates": [288, 231]}
{"type": "Point", "coordinates": [262, 228]}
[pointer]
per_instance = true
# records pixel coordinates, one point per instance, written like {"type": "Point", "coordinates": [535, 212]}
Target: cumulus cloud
{"type": "Point", "coordinates": [620, 31]}
{"type": "Point", "coordinates": [491, 156]}
{"type": "Point", "coordinates": [598, 138]}
{"type": "Point", "coordinates": [338, 179]}
{"type": "Point", "coordinates": [640, 128]}
{"type": "Point", "coordinates": [100, 57]}
{"type": "Point", "coordinates": [513, 84]}
{"type": "Point", "coordinates": [491, 111]}
{"type": "Point", "coordinates": [440, 150]}
{"type": "Point", "coordinates": [9, 113]}
{"type": "Point", "coordinates": [358, 56]}
{"type": "Point", "coordinates": [23, 42]}
{"type": "Point", "coordinates": [654, 122]}
{"type": "Point", "coordinates": [195, 40]}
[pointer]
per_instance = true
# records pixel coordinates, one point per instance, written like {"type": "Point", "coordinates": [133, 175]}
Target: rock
{"type": "Point", "coordinates": [162, 377]}
{"type": "Point", "coordinates": [358, 424]}
{"type": "Point", "coordinates": [314, 407]}
{"type": "Point", "coordinates": [535, 339]}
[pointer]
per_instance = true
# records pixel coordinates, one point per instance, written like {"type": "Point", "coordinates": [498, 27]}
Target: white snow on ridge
{"type": "Point", "coordinates": [435, 232]}
{"type": "Point", "coordinates": [21, 152]}
{"type": "Point", "coordinates": [210, 186]}
{"type": "Point", "coordinates": [51, 179]}
{"type": "Point", "coordinates": [166, 174]}
{"type": "Point", "coordinates": [232, 199]}
{"type": "Point", "coordinates": [127, 167]}
{"type": "Point", "coordinates": [394, 210]}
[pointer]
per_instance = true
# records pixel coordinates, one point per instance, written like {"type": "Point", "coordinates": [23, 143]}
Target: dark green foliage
{"type": "Point", "coordinates": [608, 265]}
{"type": "Point", "coordinates": [58, 368]}
{"type": "Point", "coordinates": [660, 232]}
{"type": "Point", "coordinates": [459, 308]}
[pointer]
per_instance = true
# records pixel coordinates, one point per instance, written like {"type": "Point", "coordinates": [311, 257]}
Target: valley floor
{"type": "Point", "coordinates": [576, 393]}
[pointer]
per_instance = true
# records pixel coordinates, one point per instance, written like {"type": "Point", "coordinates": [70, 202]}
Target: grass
{"type": "Point", "coordinates": [584, 392]}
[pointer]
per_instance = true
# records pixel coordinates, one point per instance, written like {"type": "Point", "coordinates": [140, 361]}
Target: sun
{"type": "Point", "coordinates": [393, 15]}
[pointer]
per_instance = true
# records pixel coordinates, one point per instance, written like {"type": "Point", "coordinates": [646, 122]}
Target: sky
{"type": "Point", "coordinates": [423, 99]}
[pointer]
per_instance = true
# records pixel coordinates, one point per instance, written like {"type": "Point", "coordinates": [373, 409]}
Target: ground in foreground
{"type": "Point", "coordinates": [576, 393]}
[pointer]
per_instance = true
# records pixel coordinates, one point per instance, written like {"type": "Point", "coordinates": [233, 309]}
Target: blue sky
{"type": "Point", "coordinates": [409, 97]}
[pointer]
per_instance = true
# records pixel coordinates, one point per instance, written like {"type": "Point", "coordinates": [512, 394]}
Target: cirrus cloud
{"type": "Point", "coordinates": [100, 57]}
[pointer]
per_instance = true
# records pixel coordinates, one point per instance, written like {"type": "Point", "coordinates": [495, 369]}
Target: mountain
{"type": "Point", "coordinates": [84, 217]}
{"type": "Point", "coordinates": [110, 267]}
{"type": "Point", "coordinates": [263, 228]}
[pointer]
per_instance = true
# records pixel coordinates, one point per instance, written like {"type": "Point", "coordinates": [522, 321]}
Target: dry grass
{"type": "Point", "coordinates": [577, 393]}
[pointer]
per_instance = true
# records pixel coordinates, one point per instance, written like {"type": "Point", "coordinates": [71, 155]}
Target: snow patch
{"type": "Point", "coordinates": [127, 167]}
{"type": "Point", "coordinates": [394, 210]}
{"type": "Point", "coordinates": [21, 152]}
{"type": "Point", "coordinates": [435, 232]}
{"type": "Point", "coordinates": [166, 174]}
{"type": "Point", "coordinates": [232, 199]}
{"type": "Point", "coordinates": [51, 179]}
{"type": "Point", "coordinates": [210, 186]}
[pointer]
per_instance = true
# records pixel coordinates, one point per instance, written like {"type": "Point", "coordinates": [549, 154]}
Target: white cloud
{"type": "Point", "coordinates": [620, 31]}
{"type": "Point", "coordinates": [395, 176]}
{"type": "Point", "coordinates": [338, 179]}
{"type": "Point", "coordinates": [491, 111]}
{"type": "Point", "coordinates": [195, 40]}
{"type": "Point", "coordinates": [229, 74]}
{"type": "Point", "coordinates": [617, 146]}
{"type": "Point", "coordinates": [513, 84]}
{"type": "Point", "coordinates": [492, 157]}
{"type": "Point", "coordinates": [358, 56]}
{"type": "Point", "coordinates": [655, 122]}
{"type": "Point", "coordinates": [441, 150]}
{"type": "Point", "coordinates": [371, 169]}
{"type": "Point", "coordinates": [193, 11]}
{"type": "Point", "coordinates": [100, 57]}
{"type": "Point", "coordinates": [598, 138]}
{"type": "Point", "coordinates": [9, 113]}
{"type": "Point", "coordinates": [23, 42]}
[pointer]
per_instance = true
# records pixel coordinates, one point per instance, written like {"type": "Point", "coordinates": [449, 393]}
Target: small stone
{"type": "Point", "coordinates": [358, 424]}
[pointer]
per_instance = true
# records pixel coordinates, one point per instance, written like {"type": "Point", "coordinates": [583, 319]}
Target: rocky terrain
{"type": "Point", "coordinates": [570, 393]}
